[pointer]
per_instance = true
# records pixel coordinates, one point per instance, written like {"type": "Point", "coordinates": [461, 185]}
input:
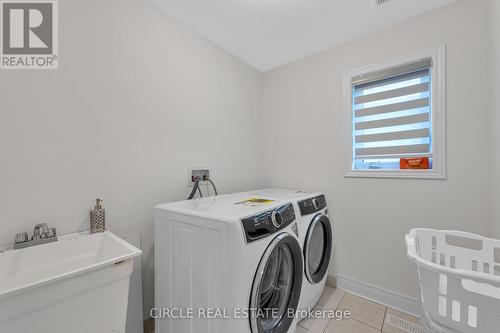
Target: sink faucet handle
{"type": "Point", "coordinates": [51, 232]}
{"type": "Point", "coordinates": [21, 237]}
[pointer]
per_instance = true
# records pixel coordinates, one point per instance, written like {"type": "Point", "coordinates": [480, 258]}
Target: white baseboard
{"type": "Point", "coordinates": [379, 295]}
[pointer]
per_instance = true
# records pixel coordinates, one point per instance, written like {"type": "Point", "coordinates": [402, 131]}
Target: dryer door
{"type": "Point", "coordinates": [318, 248]}
{"type": "Point", "coordinates": [277, 285]}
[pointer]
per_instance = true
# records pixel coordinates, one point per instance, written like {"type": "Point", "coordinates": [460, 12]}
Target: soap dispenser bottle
{"type": "Point", "coordinates": [97, 218]}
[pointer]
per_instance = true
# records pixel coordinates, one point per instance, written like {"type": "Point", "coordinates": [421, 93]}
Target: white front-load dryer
{"type": "Point", "coordinates": [229, 264]}
{"type": "Point", "coordinates": [315, 233]}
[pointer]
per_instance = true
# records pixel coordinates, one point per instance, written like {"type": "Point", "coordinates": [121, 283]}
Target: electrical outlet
{"type": "Point", "coordinates": [197, 172]}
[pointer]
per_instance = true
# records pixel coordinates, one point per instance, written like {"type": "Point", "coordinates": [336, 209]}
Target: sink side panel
{"type": "Point", "coordinates": [94, 301]}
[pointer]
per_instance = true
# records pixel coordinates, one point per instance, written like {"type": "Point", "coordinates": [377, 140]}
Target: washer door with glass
{"type": "Point", "coordinates": [318, 248]}
{"type": "Point", "coordinates": [277, 286]}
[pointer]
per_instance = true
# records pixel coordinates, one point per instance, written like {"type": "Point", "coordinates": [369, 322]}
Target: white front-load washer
{"type": "Point", "coordinates": [315, 233]}
{"type": "Point", "coordinates": [227, 264]}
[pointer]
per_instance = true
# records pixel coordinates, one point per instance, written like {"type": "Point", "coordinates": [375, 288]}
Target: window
{"type": "Point", "coordinates": [397, 115]}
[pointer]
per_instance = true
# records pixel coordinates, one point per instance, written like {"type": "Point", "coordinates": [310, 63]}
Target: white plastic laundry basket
{"type": "Point", "coordinates": [459, 278]}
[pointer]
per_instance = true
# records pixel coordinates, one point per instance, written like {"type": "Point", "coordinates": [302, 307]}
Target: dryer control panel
{"type": "Point", "coordinates": [312, 205]}
{"type": "Point", "coordinates": [267, 223]}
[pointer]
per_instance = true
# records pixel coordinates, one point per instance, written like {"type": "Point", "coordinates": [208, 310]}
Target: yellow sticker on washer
{"type": "Point", "coordinates": [253, 201]}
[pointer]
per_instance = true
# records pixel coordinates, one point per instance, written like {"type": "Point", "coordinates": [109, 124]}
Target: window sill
{"type": "Point", "coordinates": [409, 174]}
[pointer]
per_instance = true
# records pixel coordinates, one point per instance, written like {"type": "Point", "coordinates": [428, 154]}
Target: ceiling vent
{"type": "Point", "coordinates": [379, 3]}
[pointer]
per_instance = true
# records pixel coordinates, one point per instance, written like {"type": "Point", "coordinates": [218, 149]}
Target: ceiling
{"type": "Point", "coordinates": [270, 33]}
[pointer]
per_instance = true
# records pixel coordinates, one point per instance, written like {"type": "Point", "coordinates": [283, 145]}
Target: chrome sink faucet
{"type": "Point", "coordinates": [42, 234]}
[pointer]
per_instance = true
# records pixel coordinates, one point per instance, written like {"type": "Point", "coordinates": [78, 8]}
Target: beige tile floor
{"type": "Point", "coordinates": [366, 316]}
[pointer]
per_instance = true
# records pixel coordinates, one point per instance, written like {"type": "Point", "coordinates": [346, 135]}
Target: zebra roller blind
{"type": "Point", "coordinates": [392, 116]}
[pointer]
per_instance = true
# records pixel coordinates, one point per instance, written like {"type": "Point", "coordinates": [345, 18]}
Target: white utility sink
{"type": "Point", "coordinates": [78, 284]}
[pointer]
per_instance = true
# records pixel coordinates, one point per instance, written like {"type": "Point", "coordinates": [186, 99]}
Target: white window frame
{"type": "Point", "coordinates": [438, 113]}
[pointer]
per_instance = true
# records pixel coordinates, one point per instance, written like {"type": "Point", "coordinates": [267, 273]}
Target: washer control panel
{"type": "Point", "coordinates": [312, 205]}
{"type": "Point", "coordinates": [264, 224]}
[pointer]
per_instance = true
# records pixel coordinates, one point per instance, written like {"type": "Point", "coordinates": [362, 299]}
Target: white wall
{"type": "Point", "coordinates": [495, 108]}
{"type": "Point", "coordinates": [306, 147]}
{"type": "Point", "coordinates": [137, 100]}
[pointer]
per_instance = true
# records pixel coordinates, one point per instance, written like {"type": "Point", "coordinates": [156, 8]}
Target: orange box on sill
{"type": "Point", "coordinates": [414, 163]}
